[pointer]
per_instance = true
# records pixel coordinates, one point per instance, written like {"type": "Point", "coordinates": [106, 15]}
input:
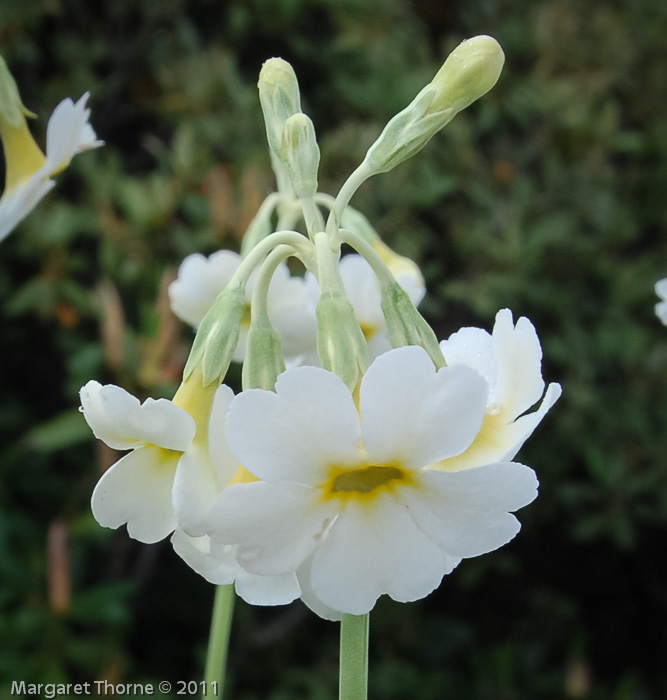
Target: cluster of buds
{"type": "Point", "coordinates": [362, 457]}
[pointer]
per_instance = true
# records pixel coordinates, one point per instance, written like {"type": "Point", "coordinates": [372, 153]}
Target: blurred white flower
{"type": "Point", "coordinates": [348, 498]}
{"type": "Point", "coordinates": [201, 279]}
{"type": "Point", "coordinates": [510, 360]}
{"type": "Point", "coordinates": [29, 171]}
{"type": "Point", "coordinates": [661, 306]}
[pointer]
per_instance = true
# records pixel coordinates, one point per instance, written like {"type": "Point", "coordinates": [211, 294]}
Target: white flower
{"type": "Point", "coordinates": [348, 499]}
{"type": "Point", "coordinates": [511, 362]}
{"type": "Point", "coordinates": [661, 306]}
{"type": "Point", "coordinates": [169, 477]}
{"type": "Point", "coordinates": [201, 279]}
{"type": "Point", "coordinates": [363, 291]}
{"type": "Point", "coordinates": [29, 171]}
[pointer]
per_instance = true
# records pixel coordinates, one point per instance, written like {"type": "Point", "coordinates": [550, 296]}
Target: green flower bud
{"type": "Point", "coordinates": [279, 97]}
{"type": "Point", "coordinates": [406, 325]}
{"type": "Point", "coordinates": [301, 154]}
{"type": "Point", "coordinates": [469, 72]}
{"type": "Point", "coordinates": [264, 359]}
{"type": "Point", "coordinates": [217, 336]}
{"type": "Point", "coordinates": [341, 345]}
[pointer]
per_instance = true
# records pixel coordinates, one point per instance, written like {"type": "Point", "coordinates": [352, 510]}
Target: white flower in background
{"type": "Point", "coordinates": [28, 170]}
{"type": "Point", "coordinates": [363, 291]}
{"type": "Point", "coordinates": [169, 477]}
{"type": "Point", "coordinates": [201, 279]}
{"type": "Point", "coordinates": [510, 360]}
{"type": "Point", "coordinates": [661, 306]}
{"type": "Point", "coordinates": [347, 497]}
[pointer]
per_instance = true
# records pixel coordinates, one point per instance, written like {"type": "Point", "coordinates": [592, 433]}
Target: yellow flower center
{"type": "Point", "coordinates": [22, 155]}
{"type": "Point", "coordinates": [364, 484]}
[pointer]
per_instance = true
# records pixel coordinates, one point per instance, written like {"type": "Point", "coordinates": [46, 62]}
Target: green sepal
{"type": "Point", "coordinates": [264, 359]}
{"type": "Point", "coordinates": [406, 325]}
{"type": "Point", "coordinates": [217, 336]}
{"type": "Point", "coordinates": [341, 344]}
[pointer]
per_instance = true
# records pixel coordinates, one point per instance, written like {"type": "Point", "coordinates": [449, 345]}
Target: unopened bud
{"type": "Point", "coordinates": [406, 326]}
{"type": "Point", "coordinates": [217, 336]}
{"type": "Point", "coordinates": [264, 359]}
{"type": "Point", "coordinates": [341, 344]}
{"type": "Point", "coordinates": [301, 154]}
{"type": "Point", "coordinates": [470, 71]}
{"type": "Point", "coordinates": [279, 97]}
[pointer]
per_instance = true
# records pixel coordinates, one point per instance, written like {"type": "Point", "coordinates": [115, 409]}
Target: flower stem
{"type": "Point", "coordinates": [354, 657]}
{"type": "Point", "coordinates": [216, 658]}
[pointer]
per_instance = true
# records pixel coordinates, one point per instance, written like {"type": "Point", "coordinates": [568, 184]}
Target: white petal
{"type": "Point", "coordinates": [371, 551]}
{"type": "Point", "coordinates": [196, 487]}
{"type": "Point", "coordinates": [363, 290]}
{"type": "Point", "coordinates": [219, 568]}
{"type": "Point", "coordinates": [468, 512]}
{"type": "Point", "coordinates": [117, 418]}
{"type": "Point", "coordinates": [267, 590]}
{"type": "Point", "coordinates": [412, 414]}
{"type": "Point", "coordinates": [295, 434]}
{"type": "Point", "coordinates": [199, 282]}
{"type": "Point", "coordinates": [520, 383]}
{"type": "Point", "coordinates": [499, 441]}
{"type": "Point", "coordinates": [68, 133]}
{"type": "Point", "coordinates": [308, 597]}
{"type": "Point", "coordinates": [660, 290]}
{"type": "Point", "coordinates": [524, 426]}
{"type": "Point", "coordinates": [224, 461]}
{"type": "Point", "coordinates": [276, 526]}
{"type": "Point", "coordinates": [137, 491]}
{"type": "Point", "coordinates": [17, 202]}
{"type": "Point", "coordinates": [473, 347]}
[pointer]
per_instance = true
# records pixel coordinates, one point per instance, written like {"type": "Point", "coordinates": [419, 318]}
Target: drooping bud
{"type": "Point", "coordinates": [301, 154]}
{"type": "Point", "coordinates": [217, 336]}
{"type": "Point", "coordinates": [264, 359]}
{"type": "Point", "coordinates": [279, 97]}
{"type": "Point", "coordinates": [406, 326]}
{"type": "Point", "coordinates": [469, 72]}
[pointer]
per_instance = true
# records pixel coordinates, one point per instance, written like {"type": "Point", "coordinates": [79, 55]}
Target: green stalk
{"type": "Point", "coordinates": [218, 642]}
{"type": "Point", "coordinates": [354, 657]}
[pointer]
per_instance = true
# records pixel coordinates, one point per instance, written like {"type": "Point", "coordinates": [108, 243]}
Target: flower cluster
{"type": "Point", "coordinates": [362, 456]}
{"type": "Point", "coordinates": [28, 170]}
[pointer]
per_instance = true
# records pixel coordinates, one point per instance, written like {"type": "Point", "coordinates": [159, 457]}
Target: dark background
{"type": "Point", "coordinates": [547, 197]}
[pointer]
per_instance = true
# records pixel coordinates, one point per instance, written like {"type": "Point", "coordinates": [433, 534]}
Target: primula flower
{"type": "Point", "coordinates": [347, 495]}
{"type": "Point", "coordinates": [169, 477]}
{"type": "Point", "coordinates": [661, 306]}
{"type": "Point", "coordinates": [510, 360]}
{"type": "Point", "coordinates": [201, 279]}
{"type": "Point", "coordinates": [29, 171]}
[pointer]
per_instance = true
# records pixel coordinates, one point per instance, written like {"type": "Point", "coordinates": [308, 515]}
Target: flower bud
{"type": "Point", "coordinates": [264, 359]}
{"type": "Point", "coordinates": [301, 154]}
{"type": "Point", "coordinates": [217, 336]}
{"type": "Point", "coordinates": [406, 326]}
{"type": "Point", "coordinates": [341, 345]}
{"type": "Point", "coordinates": [279, 97]}
{"type": "Point", "coordinates": [469, 72]}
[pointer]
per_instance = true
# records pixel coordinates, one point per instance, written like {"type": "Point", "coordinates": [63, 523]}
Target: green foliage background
{"type": "Point", "coordinates": [548, 197]}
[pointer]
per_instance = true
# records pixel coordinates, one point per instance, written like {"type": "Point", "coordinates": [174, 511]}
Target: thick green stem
{"type": "Point", "coordinates": [353, 657]}
{"type": "Point", "coordinates": [218, 642]}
